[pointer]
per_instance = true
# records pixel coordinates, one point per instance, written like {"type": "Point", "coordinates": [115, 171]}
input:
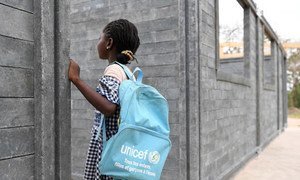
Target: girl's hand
{"type": "Point", "coordinates": [74, 71]}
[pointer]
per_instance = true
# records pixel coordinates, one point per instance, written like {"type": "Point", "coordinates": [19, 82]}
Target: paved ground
{"type": "Point", "coordinates": [280, 160]}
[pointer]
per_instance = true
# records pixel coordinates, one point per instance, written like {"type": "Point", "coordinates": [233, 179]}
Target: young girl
{"type": "Point", "coordinates": [118, 42]}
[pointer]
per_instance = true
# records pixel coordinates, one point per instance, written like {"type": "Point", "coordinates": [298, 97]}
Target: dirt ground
{"type": "Point", "coordinates": [280, 160]}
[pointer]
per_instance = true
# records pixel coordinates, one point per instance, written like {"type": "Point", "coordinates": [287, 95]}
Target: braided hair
{"type": "Point", "coordinates": [125, 38]}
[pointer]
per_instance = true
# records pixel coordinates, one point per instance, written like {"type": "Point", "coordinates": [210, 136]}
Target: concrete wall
{"type": "Point", "coordinates": [241, 114]}
{"type": "Point", "coordinates": [158, 55]}
{"type": "Point", "coordinates": [17, 90]}
{"type": "Point", "coordinates": [269, 70]}
{"type": "Point", "coordinates": [87, 18]}
{"type": "Point", "coordinates": [228, 118]}
{"type": "Point", "coordinates": [34, 94]}
{"type": "Point", "coordinates": [218, 119]}
{"type": "Point", "coordinates": [234, 66]}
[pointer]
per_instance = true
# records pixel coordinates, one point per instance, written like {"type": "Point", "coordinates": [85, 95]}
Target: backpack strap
{"type": "Point", "coordinates": [140, 74]}
{"type": "Point", "coordinates": [130, 75]}
{"type": "Point", "coordinates": [102, 127]}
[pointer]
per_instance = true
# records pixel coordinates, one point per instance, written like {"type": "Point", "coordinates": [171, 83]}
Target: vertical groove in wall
{"type": "Point", "coordinates": [247, 46]}
{"type": "Point", "coordinates": [187, 95]}
{"type": "Point", "coordinates": [56, 87]}
{"type": "Point", "coordinates": [37, 95]}
{"type": "Point", "coordinates": [257, 84]}
{"type": "Point", "coordinates": [217, 35]}
{"type": "Point", "coordinates": [285, 96]}
{"type": "Point", "coordinates": [282, 89]}
{"type": "Point", "coordinates": [285, 102]}
{"type": "Point", "coordinates": [199, 81]}
{"type": "Point", "coordinates": [274, 76]}
{"type": "Point", "coordinates": [278, 88]}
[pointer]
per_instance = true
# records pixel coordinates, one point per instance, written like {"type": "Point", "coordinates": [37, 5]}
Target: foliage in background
{"type": "Point", "coordinates": [294, 113]}
{"type": "Point", "coordinates": [294, 96]}
{"type": "Point", "coordinates": [294, 79]}
{"type": "Point", "coordinates": [290, 100]}
{"type": "Point", "coordinates": [293, 67]}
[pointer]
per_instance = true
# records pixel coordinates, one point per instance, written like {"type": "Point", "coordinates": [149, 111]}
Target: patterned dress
{"type": "Point", "coordinates": [108, 87]}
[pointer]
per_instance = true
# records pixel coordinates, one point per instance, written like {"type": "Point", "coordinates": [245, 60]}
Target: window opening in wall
{"type": "Point", "coordinates": [268, 60]}
{"type": "Point", "coordinates": [231, 37]}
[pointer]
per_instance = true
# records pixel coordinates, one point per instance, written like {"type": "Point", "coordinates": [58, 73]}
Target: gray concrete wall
{"type": "Point", "coordinates": [228, 130]}
{"type": "Point", "coordinates": [218, 119]}
{"type": "Point", "coordinates": [240, 114]}
{"type": "Point", "coordinates": [17, 90]}
{"type": "Point", "coordinates": [87, 19]}
{"type": "Point", "coordinates": [34, 94]}
{"type": "Point", "coordinates": [235, 66]}
{"type": "Point", "coordinates": [268, 70]}
{"type": "Point", "coordinates": [158, 55]}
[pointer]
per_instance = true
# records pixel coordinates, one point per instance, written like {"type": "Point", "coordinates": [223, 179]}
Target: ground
{"type": "Point", "coordinates": [294, 113]}
{"type": "Point", "coordinates": [280, 160]}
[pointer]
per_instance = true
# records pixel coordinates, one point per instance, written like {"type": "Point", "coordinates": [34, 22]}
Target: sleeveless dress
{"type": "Point", "coordinates": [108, 87]}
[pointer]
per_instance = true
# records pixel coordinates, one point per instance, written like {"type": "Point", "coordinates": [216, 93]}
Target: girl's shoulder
{"type": "Point", "coordinates": [115, 71]}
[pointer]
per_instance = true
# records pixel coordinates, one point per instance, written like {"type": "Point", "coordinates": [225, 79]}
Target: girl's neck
{"type": "Point", "coordinates": [112, 58]}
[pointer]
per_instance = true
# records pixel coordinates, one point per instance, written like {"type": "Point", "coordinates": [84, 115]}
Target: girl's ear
{"type": "Point", "coordinates": [109, 43]}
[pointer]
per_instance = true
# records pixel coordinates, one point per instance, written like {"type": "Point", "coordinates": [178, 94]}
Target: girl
{"type": "Point", "coordinates": [118, 42]}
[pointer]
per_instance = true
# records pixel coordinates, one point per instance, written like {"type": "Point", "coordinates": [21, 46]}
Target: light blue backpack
{"type": "Point", "coordinates": [141, 146]}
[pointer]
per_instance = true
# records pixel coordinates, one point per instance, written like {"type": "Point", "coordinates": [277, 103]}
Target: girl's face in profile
{"type": "Point", "coordinates": [102, 47]}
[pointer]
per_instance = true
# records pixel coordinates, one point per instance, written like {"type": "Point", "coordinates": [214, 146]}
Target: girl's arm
{"type": "Point", "coordinates": [97, 100]}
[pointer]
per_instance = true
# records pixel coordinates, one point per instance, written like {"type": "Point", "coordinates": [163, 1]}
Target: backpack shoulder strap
{"type": "Point", "coordinates": [126, 70]}
{"type": "Point", "coordinates": [101, 127]}
{"type": "Point", "coordinates": [130, 75]}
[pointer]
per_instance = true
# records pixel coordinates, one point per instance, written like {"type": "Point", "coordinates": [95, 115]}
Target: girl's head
{"type": "Point", "coordinates": [119, 37]}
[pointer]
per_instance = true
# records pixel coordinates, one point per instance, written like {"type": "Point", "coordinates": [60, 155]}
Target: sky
{"type": "Point", "coordinates": [283, 16]}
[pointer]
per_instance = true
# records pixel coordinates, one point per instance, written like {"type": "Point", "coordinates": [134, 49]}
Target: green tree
{"type": "Point", "coordinates": [293, 65]}
{"type": "Point", "coordinates": [290, 100]}
{"type": "Point", "coordinates": [296, 96]}
{"type": "Point", "coordinates": [294, 79]}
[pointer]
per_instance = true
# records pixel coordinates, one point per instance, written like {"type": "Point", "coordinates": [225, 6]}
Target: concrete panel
{"type": "Point", "coordinates": [268, 70]}
{"type": "Point", "coordinates": [16, 23]}
{"type": "Point", "coordinates": [158, 25]}
{"type": "Point", "coordinates": [16, 53]}
{"type": "Point", "coordinates": [16, 82]}
{"type": "Point", "coordinates": [51, 90]}
{"type": "Point", "coordinates": [161, 71]}
{"type": "Point", "coordinates": [16, 112]}
{"type": "Point", "coordinates": [17, 168]}
{"type": "Point", "coordinates": [158, 48]}
{"type": "Point", "coordinates": [26, 5]}
{"type": "Point", "coordinates": [62, 92]}
{"type": "Point", "coordinates": [44, 99]}
{"type": "Point", "coordinates": [178, 46]}
{"type": "Point", "coordinates": [235, 66]}
{"type": "Point", "coordinates": [16, 142]}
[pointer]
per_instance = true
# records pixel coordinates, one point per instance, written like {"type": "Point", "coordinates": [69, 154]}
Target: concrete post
{"type": "Point", "coordinates": [259, 80]}
{"type": "Point", "coordinates": [51, 90]}
{"type": "Point", "coordinates": [62, 91]}
{"type": "Point", "coordinates": [191, 74]}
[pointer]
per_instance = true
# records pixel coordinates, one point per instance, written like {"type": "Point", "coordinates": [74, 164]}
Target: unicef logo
{"type": "Point", "coordinates": [154, 157]}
